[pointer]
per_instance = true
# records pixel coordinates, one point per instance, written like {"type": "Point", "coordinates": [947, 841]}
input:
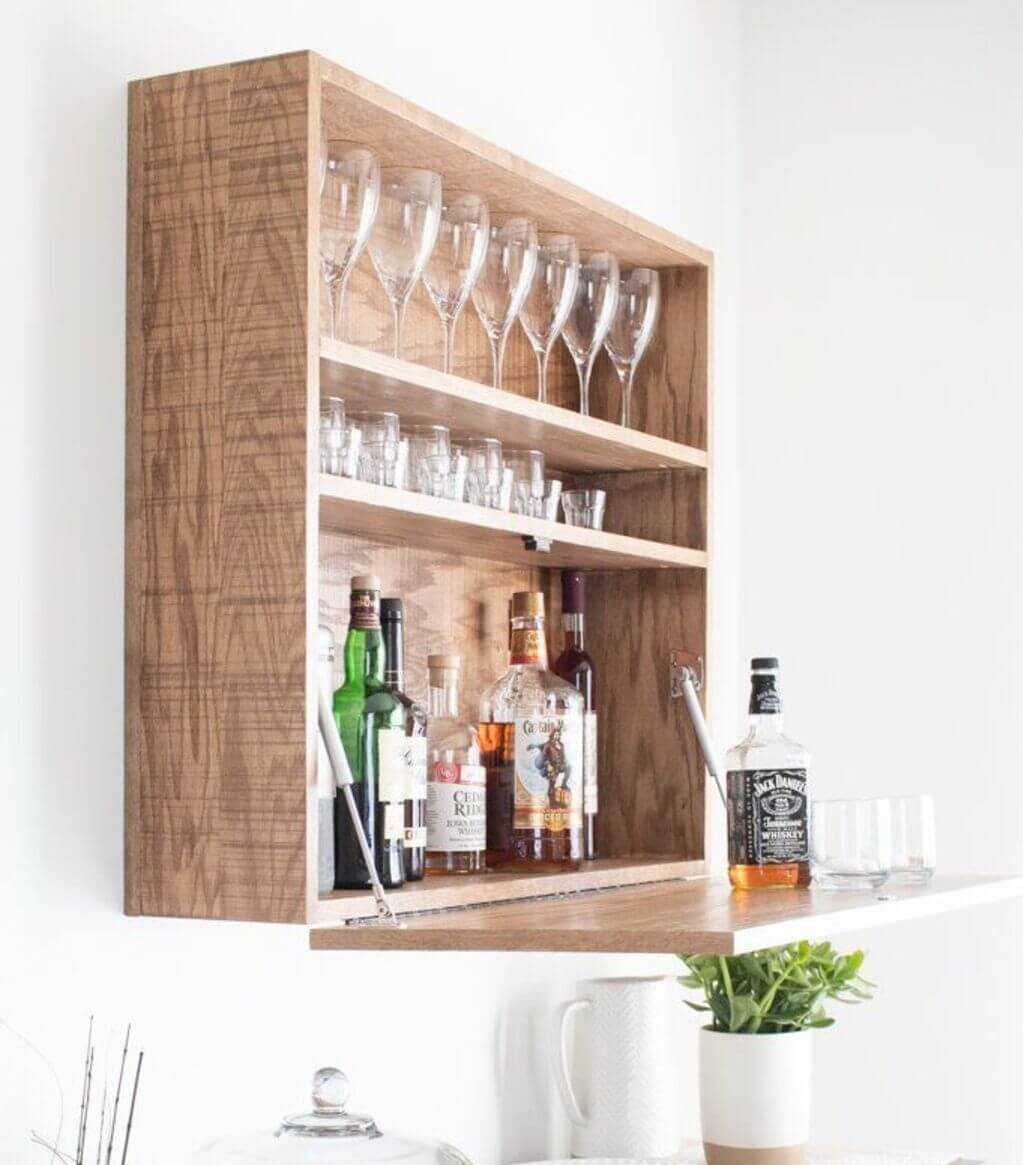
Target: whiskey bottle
{"type": "Point", "coordinates": [531, 729]}
{"type": "Point", "coordinates": [371, 722]}
{"type": "Point", "coordinates": [575, 666]}
{"type": "Point", "coordinates": [768, 795]}
{"type": "Point", "coordinates": [392, 615]}
{"type": "Point", "coordinates": [456, 793]}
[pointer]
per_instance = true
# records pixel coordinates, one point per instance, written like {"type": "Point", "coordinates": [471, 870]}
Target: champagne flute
{"type": "Point", "coordinates": [550, 298]}
{"type": "Point", "coordinates": [504, 282]}
{"type": "Point", "coordinates": [592, 311]}
{"type": "Point", "coordinates": [454, 265]}
{"type": "Point", "coordinates": [404, 234]}
{"type": "Point", "coordinates": [349, 195]}
{"type": "Point", "coordinates": [639, 301]}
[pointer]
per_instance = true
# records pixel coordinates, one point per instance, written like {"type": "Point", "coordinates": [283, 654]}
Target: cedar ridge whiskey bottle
{"type": "Point", "coordinates": [768, 796]}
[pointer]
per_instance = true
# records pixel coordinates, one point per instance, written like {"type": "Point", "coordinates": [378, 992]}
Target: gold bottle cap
{"type": "Point", "coordinates": [444, 662]}
{"type": "Point", "coordinates": [527, 605]}
{"type": "Point", "coordinates": [365, 582]}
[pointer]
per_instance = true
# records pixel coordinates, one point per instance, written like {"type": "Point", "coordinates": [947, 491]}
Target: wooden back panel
{"type": "Point", "coordinates": [217, 748]}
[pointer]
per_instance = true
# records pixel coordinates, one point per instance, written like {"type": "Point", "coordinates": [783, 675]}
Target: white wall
{"type": "Point", "coordinates": [881, 408]}
{"type": "Point", "coordinates": [640, 105]}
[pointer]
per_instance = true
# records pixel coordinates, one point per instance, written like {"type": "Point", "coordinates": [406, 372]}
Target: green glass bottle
{"type": "Point", "coordinates": [371, 721]}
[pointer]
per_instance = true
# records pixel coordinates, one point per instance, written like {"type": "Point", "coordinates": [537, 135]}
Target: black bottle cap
{"type": "Point", "coordinates": [759, 663]}
{"type": "Point", "coordinates": [573, 592]}
{"type": "Point", "coordinates": [391, 611]}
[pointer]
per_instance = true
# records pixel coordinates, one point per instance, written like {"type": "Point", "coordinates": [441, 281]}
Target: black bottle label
{"type": "Point", "coordinates": [764, 699]}
{"type": "Point", "coordinates": [767, 817]}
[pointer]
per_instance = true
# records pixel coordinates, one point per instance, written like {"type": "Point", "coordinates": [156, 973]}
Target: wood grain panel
{"type": "Point", "coordinates": [218, 404]}
{"type": "Point", "coordinates": [697, 916]}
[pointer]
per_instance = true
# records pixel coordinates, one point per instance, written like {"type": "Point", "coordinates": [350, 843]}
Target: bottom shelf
{"type": "Point", "coordinates": [692, 1154]}
{"type": "Point", "coordinates": [698, 915]}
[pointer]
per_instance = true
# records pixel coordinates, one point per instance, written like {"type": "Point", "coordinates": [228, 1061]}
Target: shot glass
{"type": "Point", "coordinates": [381, 441]}
{"type": "Point", "coordinates": [584, 507]}
{"type": "Point", "coordinates": [852, 844]}
{"type": "Point", "coordinates": [430, 459]}
{"type": "Point", "coordinates": [914, 849]}
{"type": "Point", "coordinates": [454, 484]}
{"type": "Point", "coordinates": [527, 466]}
{"type": "Point", "coordinates": [548, 503]}
{"type": "Point", "coordinates": [332, 435]}
{"type": "Point", "coordinates": [351, 450]}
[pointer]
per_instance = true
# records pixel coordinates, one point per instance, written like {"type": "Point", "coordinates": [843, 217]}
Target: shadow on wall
{"type": "Point", "coordinates": [524, 1086]}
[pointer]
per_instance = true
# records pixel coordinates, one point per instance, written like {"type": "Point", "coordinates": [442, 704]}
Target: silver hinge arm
{"type": "Point", "coordinates": [686, 681]}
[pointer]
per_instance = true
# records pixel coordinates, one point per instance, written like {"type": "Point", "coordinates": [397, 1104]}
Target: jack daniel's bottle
{"type": "Point", "coordinates": [768, 795]}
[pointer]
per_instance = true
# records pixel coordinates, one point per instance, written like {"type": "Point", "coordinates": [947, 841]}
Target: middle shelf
{"type": "Point", "coordinates": [396, 515]}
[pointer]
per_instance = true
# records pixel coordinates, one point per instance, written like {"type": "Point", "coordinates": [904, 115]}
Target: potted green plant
{"type": "Point", "coordinates": [755, 1054]}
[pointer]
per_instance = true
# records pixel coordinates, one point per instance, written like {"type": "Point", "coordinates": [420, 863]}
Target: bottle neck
{"type": "Point", "coordinates": [528, 642]}
{"type": "Point", "coordinates": [765, 711]}
{"type": "Point", "coordinates": [394, 655]}
{"type": "Point", "coordinates": [573, 623]}
{"type": "Point", "coordinates": [443, 696]}
{"type": "Point", "coordinates": [364, 656]}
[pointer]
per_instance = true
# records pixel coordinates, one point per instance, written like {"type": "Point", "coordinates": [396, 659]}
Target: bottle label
{"type": "Point", "coordinates": [549, 772]}
{"type": "Point", "coordinates": [764, 699]}
{"type": "Point", "coordinates": [415, 763]}
{"type": "Point", "coordinates": [364, 610]}
{"type": "Point", "coordinates": [767, 817]}
{"type": "Point", "coordinates": [527, 645]}
{"type": "Point", "coordinates": [590, 762]}
{"type": "Point", "coordinates": [394, 821]}
{"type": "Point", "coordinates": [392, 766]}
{"type": "Point", "coordinates": [415, 836]}
{"type": "Point", "coordinates": [456, 808]}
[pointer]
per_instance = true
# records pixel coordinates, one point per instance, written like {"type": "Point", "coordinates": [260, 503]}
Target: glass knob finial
{"type": "Point", "coordinates": [330, 1090]}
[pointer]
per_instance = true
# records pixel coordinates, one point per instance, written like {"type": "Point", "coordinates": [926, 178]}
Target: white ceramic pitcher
{"type": "Point", "coordinates": [623, 1095]}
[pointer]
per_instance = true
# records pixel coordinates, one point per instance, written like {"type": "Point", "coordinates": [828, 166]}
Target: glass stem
{"type": "Point", "coordinates": [497, 345]}
{"type": "Point", "coordinates": [399, 318]}
{"type": "Point", "coordinates": [584, 368]}
{"type": "Point", "coordinates": [449, 342]}
{"type": "Point", "coordinates": [337, 329]}
{"type": "Point", "coordinates": [331, 307]}
{"type": "Point", "coordinates": [625, 375]}
{"type": "Point", "coordinates": [541, 374]}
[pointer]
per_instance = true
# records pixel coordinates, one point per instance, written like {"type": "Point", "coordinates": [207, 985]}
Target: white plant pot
{"type": "Point", "coordinates": [755, 1097]}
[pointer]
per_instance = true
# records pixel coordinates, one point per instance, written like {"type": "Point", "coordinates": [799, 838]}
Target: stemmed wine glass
{"type": "Point", "coordinates": [454, 265]}
{"type": "Point", "coordinates": [349, 195]}
{"type": "Point", "coordinates": [404, 233]}
{"type": "Point", "coordinates": [504, 282]}
{"type": "Point", "coordinates": [639, 300]}
{"type": "Point", "coordinates": [592, 311]}
{"type": "Point", "coordinates": [550, 298]}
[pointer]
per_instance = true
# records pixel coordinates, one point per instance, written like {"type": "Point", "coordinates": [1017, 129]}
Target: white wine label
{"type": "Point", "coordinates": [456, 808]}
{"type": "Point", "coordinates": [392, 765]}
{"type": "Point", "coordinates": [415, 759]}
{"type": "Point", "coordinates": [394, 821]}
{"type": "Point", "coordinates": [549, 772]}
{"type": "Point", "coordinates": [590, 762]}
{"type": "Point", "coordinates": [767, 817]}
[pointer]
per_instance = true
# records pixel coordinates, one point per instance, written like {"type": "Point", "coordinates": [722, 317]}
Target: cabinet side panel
{"type": "Point", "coordinates": [217, 554]}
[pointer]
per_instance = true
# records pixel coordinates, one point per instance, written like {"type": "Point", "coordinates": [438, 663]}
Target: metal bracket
{"type": "Point", "coordinates": [685, 666]}
{"type": "Point", "coordinates": [541, 545]}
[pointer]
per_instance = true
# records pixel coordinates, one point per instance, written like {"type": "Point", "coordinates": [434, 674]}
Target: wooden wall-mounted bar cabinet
{"type": "Point", "coordinates": [237, 548]}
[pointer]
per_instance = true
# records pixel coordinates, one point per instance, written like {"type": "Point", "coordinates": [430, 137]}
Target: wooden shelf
{"type": "Point", "coordinates": [444, 893]}
{"type": "Point", "coordinates": [696, 915]}
{"type": "Point", "coordinates": [423, 395]}
{"type": "Point", "coordinates": [392, 515]}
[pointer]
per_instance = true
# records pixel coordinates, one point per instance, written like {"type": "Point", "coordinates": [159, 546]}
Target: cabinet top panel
{"type": "Point", "coordinates": [701, 916]}
{"type": "Point", "coordinates": [402, 133]}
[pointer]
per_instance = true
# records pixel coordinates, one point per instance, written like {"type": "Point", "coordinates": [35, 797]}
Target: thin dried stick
{"type": "Point", "coordinates": [131, 1109]}
{"type": "Point", "coordinates": [88, 1099]}
{"type": "Point", "coordinates": [85, 1083]}
{"type": "Point", "coordinates": [117, 1095]}
{"type": "Point", "coordinates": [65, 1157]}
{"type": "Point", "coordinates": [102, 1118]}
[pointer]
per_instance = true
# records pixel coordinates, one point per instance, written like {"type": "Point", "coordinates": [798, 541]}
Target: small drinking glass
{"type": "Point", "coordinates": [593, 308]}
{"type": "Point", "coordinates": [332, 435]}
{"type": "Point", "coordinates": [547, 506]}
{"type": "Point", "coordinates": [584, 507]}
{"type": "Point", "coordinates": [349, 196]}
{"type": "Point", "coordinates": [504, 282]}
{"type": "Point", "coordinates": [852, 844]}
{"type": "Point", "coordinates": [639, 301]}
{"type": "Point", "coordinates": [454, 264]}
{"type": "Point", "coordinates": [527, 466]}
{"type": "Point", "coordinates": [550, 299]}
{"type": "Point", "coordinates": [404, 233]}
{"type": "Point", "coordinates": [914, 848]}
{"type": "Point", "coordinates": [485, 471]}
{"type": "Point", "coordinates": [351, 451]}
{"type": "Point", "coordinates": [381, 447]}
{"type": "Point", "coordinates": [454, 485]}
{"type": "Point", "coordinates": [430, 458]}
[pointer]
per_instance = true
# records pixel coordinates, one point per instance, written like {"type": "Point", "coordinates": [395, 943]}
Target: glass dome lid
{"type": "Point", "coordinates": [328, 1135]}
